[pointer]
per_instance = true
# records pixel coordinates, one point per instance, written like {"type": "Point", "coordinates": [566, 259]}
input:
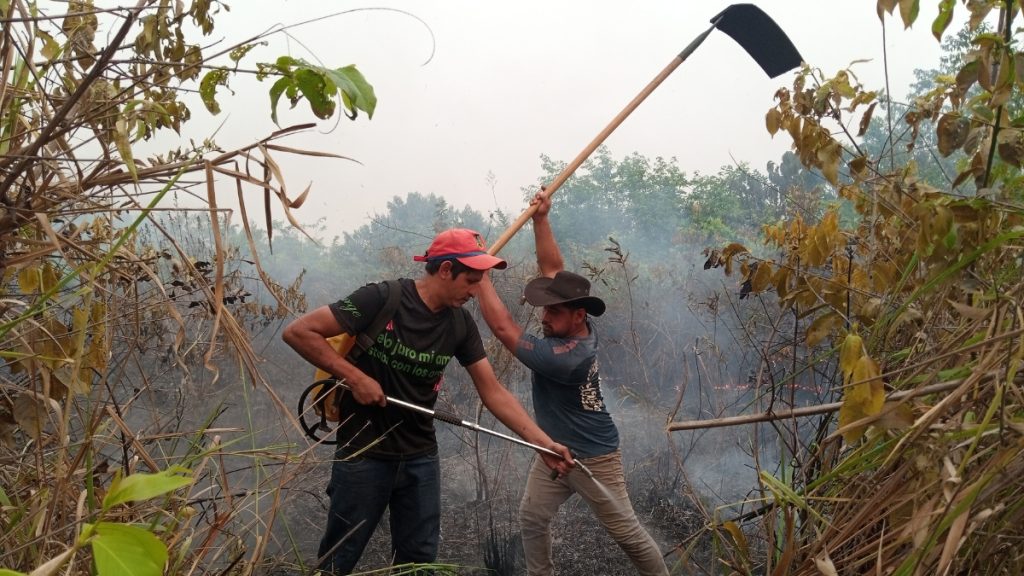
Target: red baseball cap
{"type": "Point", "coordinates": [466, 246]}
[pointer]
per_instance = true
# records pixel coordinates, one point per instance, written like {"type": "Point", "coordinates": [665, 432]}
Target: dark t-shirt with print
{"type": "Point", "coordinates": [567, 393]}
{"type": "Point", "coordinates": [408, 359]}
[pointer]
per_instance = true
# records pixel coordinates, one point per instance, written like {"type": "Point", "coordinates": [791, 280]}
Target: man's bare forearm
{"type": "Point", "coordinates": [549, 258]}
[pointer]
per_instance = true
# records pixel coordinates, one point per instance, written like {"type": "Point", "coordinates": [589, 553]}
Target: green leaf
{"type": "Point", "coordinates": [949, 240]}
{"type": "Point", "coordinates": [143, 486]}
{"type": "Point", "coordinates": [362, 96]}
{"type": "Point", "coordinates": [908, 11]}
{"type": "Point", "coordinates": [286, 63]}
{"type": "Point", "coordinates": [322, 87]}
{"type": "Point", "coordinates": [5, 571]}
{"type": "Point", "coordinates": [942, 20]}
{"type": "Point", "coordinates": [275, 94]}
{"type": "Point", "coordinates": [208, 88]}
{"type": "Point", "coordinates": [124, 550]}
{"type": "Point", "coordinates": [313, 86]}
{"type": "Point", "coordinates": [240, 52]}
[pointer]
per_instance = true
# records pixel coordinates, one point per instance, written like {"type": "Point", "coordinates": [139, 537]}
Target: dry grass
{"type": "Point", "coordinates": [108, 296]}
{"type": "Point", "coordinates": [912, 316]}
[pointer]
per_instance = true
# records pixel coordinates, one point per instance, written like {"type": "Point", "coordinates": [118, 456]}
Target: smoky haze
{"type": "Point", "coordinates": [468, 104]}
{"type": "Point", "coordinates": [677, 344]}
{"type": "Point", "coordinates": [472, 93]}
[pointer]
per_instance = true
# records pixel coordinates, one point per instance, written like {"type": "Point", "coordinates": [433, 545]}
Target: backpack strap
{"type": "Point", "coordinates": [366, 338]}
{"type": "Point", "coordinates": [460, 325]}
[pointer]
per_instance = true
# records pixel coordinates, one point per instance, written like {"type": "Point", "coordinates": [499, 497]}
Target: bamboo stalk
{"type": "Point", "coordinates": [803, 411]}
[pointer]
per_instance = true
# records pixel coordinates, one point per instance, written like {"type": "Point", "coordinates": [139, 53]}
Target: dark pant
{"type": "Point", "coordinates": [361, 489]}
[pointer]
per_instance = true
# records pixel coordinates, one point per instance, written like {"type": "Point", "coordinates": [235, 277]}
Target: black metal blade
{"type": "Point", "coordinates": [760, 36]}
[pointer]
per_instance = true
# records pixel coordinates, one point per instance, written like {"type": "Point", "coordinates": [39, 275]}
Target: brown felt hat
{"type": "Point", "coordinates": [564, 288]}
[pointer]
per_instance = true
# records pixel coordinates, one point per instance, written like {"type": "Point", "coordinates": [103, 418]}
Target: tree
{"type": "Point", "coordinates": [637, 200]}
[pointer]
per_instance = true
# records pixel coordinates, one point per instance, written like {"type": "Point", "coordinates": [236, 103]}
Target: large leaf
{"type": "Point", "coordinates": [318, 93]}
{"type": "Point", "coordinates": [908, 11]}
{"type": "Point", "coordinates": [361, 94]}
{"type": "Point", "coordinates": [864, 398]}
{"type": "Point", "coordinates": [821, 327]}
{"type": "Point", "coordinates": [124, 550]}
{"type": "Point", "coordinates": [762, 277]}
{"type": "Point", "coordinates": [35, 413]}
{"type": "Point", "coordinates": [208, 88]}
{"type": "Point", "coordinates": [952, 132]}
{"type": "Point", "coordinates": [1011, 147]}
{"type": "Point", "coordinates": [773, 121]}
{"type": "Point", "coordinates": [51, 49]}
{"type": "Point", "coordinates": [850, 353]}
{"type": "Point", "coordinates": [941, 21]}
{"type": "Point", "coordinates": [143, 486]}
{"type": "Point", "coordinates": [29, 279]}
{"type": "Point", "coordinates": [276, 91]}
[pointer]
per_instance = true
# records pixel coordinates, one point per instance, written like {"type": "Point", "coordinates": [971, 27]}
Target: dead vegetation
{"type": "Point", "coordinates": [914, 307]}
{"type": "Point", "coordinates": [104, 301]}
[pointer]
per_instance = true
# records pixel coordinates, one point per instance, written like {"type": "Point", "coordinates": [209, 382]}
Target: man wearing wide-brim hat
{"type": "Point", "coordinates": [569, 406]}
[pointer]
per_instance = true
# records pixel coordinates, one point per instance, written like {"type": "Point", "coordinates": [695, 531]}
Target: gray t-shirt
{"type": "Point", "coordinates": [567, 396]}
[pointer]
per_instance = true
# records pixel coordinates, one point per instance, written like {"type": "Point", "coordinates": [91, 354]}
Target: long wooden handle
{"type": "Point", "coordinates": [582, 156]}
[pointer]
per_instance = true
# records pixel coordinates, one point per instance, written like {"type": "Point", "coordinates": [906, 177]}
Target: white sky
{"type": "Point", "coordinates": [512, 80]}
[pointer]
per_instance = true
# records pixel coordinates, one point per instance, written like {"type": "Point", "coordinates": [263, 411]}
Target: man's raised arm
{"type": "Point", "coordinates": [549, 258]}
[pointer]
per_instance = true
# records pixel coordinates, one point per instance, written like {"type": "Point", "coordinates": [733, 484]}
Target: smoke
{"type": "Point", "coordinates": [677, 344]}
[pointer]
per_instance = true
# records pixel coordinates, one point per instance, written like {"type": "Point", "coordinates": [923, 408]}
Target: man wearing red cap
{"type": "Point", "coordinates": [387, 456]}
{"type": "Point", "coordinates": [569, 406]}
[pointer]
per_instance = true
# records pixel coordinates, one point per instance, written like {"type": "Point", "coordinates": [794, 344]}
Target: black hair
{"type": "Point", "coordinates": [457, 267]}
{"type": "Point", "coordinates": [572, 306]}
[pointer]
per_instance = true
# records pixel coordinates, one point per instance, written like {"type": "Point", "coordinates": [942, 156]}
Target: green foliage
{"type": "Point", "coordinates": [125, 550]}
{"type": "Point", "coordinates": [141, 486]}
{"type": "Point", "coordinates": [632, 198]}
{"type": "Point", "coordinates": [654, 204]}
{"type": "Point", "coordinates": [208, 88]}
{"type": "Point", "coordinates": [298, 79]}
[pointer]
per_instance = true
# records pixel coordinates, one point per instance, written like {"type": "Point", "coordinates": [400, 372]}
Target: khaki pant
{"type": "Point", "coordinates": [611, 506]}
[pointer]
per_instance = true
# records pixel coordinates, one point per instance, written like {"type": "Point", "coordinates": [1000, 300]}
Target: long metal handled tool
{"type": "Point", "coordinates": [747, 24]}
{"type": "Point", "coordinates": [454, 419]}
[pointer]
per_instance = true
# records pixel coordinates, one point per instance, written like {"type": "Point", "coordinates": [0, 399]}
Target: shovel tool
{"type": "Point", "coordinates": [747, 24]}
{"type": "Point", "coordinates": [441, 415]}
